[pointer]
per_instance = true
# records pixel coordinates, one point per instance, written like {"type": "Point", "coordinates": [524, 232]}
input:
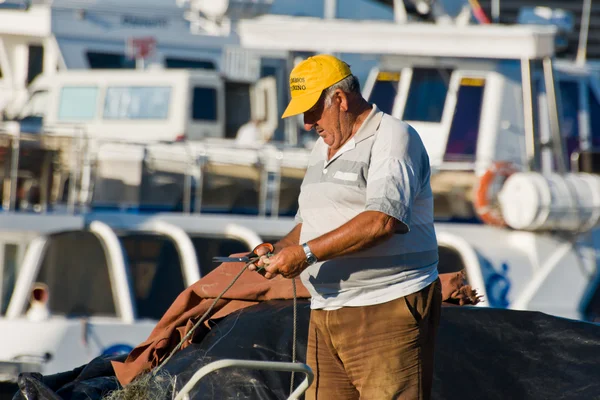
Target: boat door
{"type": "Point", "coordinates": [263, 105]}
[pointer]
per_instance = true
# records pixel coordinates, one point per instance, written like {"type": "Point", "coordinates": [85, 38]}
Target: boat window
{"type": "Point", "coordinates": [9, 275]}
{"type": "Point", "coordinates": [156, 274]}
{"type": "Point", "coordinates": [385, 90]}
{"type": "Point", "coordinates": [36, 105]}
{"type": "Point", "coordinates": [35, 62]}
{"type": "Point", "coordinates": [76, 272]}
{"type": "Point", "coordinates": [98, 60]}
{"type": "Point", "coordinates": [77, 103]}
{"type": "Point", "coordinates": [570, 106]}
{"type": "Point", "coordinates": [204, 104]}
{"type": "Point", "coordinates": [207, 248]}
{"type": "Point", "coordinates": [427, 94]}
{"type": "Point", "coordinates": [173, 62]}
{"type": "Point", "coordinates": [594, 118]}
{"type": "Point", "coordinates": [462, 140]}
{"type": "Point", "coordinates": [139, 102]}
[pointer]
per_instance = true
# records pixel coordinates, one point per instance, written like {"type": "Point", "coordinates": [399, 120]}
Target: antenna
{"type": "Point", "coordinates": [214, 17]}
{"type": "Point", "coordinates": [584, 32]}
{"type": "Point", "coordinates": [495, 11]}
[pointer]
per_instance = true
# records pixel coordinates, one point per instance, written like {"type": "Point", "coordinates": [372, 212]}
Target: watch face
{"type": "Point", "coordinates": [311, 259]}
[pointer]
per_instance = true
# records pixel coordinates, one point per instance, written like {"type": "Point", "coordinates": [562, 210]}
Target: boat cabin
{"type": "Point", "coordinates": [97, 284]}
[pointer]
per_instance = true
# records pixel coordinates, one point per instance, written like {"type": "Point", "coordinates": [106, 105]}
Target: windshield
{"type": "Point", "coordinates": [77, 103]}
{"type": "Point", "coordinates": [139, 102]}
{"type": "Point", "coordinates": [464, 131]}
{"type": "Point", "coordinates": [427, 94]}
{"type": "Point", "coordinates": [385, 90]}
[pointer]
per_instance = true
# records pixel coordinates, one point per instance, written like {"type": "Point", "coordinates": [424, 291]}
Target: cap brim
{"type": "Point", "coordinates": [301, 104]}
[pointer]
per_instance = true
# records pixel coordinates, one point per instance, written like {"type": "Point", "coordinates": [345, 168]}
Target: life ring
{"type": "Point", "coordinates": [483, 202]}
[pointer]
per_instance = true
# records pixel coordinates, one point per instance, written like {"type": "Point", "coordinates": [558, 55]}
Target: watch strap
{"type": "Point", "coordinates": [310, 257]}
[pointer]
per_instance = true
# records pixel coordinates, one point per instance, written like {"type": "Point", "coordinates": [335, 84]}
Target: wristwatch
{"type": "Point", "coordinates": [310, 257]}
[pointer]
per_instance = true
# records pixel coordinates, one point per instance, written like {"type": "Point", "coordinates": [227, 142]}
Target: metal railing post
{"type": "Point", "coordinates": [528, 114]}
{"type": "Point", "coordinates": [14, 170]}
{"type": "Point", "coordinates": [269, 191]}
{"type": "Point", "coordinates": [558, 146]}
{"type": "Point", "coordinates": [201, 161]}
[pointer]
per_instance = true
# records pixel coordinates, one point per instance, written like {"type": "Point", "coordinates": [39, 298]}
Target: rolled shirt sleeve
{"type": "Point", "coordinates": [298, 217]}
{"type": "Point", "coordinates": [394, 178]}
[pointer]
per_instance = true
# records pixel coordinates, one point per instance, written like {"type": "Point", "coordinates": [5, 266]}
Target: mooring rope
{"type": "Point", "coordinates": [294, 329]}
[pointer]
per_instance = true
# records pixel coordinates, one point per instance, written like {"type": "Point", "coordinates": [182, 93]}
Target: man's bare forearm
{"type": "Point", "coordinates": [292, 238]}
{"type": "Point", "coordinates": [367, 229]}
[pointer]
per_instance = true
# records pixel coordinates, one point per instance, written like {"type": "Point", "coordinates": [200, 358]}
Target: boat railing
{"type": "Point", "coordinates": [251, 364]}
{"type": "Point", "coordinates": [68, 160]}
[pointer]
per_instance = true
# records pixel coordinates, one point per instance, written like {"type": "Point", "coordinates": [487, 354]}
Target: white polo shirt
{"type": "Point", "coordinates": [383, 167]}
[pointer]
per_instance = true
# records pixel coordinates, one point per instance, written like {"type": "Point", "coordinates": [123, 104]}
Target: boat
{"type": "Point", "coordinates": [43, 37]}
{"type": "Point", "coordinates": [519, 254]}
{"type": "Point", "coordinates": [479, 109]}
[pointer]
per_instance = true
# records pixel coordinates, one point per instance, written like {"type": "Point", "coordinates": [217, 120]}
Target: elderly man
{"type": "Point", "coordinates": [364, 244]}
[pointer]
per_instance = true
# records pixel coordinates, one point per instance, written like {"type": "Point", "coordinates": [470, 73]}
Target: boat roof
{"type": "Point", "coordinates": [383, 37]}
{"type": "Point", "coordinates": [107, 20]}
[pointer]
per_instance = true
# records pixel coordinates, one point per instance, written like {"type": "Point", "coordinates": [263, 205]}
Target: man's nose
{"type": "Point", "coordinates": [308, 122]}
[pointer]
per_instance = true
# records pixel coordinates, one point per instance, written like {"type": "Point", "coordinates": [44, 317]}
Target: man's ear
{"type": "Point", "coordinates": [343, 99]}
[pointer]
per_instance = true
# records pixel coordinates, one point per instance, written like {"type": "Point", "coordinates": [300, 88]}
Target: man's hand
{"type": "Point", "coordinates": [289, 262]}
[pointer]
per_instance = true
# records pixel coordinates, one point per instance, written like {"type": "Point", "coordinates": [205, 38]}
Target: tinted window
{"type": "Point", "coordinates": [77, 103]}
{"type": "Point", "coordinates": [462, 140]}
{"type": "Point", "coordinates": [172, 62]}
{"type": "Point", "coordinates": [156, 274]}
{"type": "Point", "coordinates": [569, 102]}
{"type": "Point", "coordinates": [35, 62]}
{"type": "Point", "coordinates": [204, 104]}
{"type": "Point", "coordinates": [385, 90]}
{"type": "Point", "coordinates": [109, 60]}
{"type": "Point", "coordinates": [137, 102]}
{"type": "Point", "coordinates": [427, 94]}
{"type": "Point", "coordinates": [594, 118]}
{"type": "Point", "coordinates": [76, 272]}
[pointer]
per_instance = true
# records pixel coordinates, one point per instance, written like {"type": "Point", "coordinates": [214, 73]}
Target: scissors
{"type": "Point", "coordinates": [249, 258]}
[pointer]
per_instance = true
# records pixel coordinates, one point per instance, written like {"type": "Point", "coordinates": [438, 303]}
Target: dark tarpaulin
{"type": "Point", "coordinates": [481, 353]}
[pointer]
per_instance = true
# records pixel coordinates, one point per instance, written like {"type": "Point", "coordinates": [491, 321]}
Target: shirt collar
{"type": "Point", "coordinates": [369, 126]}
{"type": "Point", "coordinates": [367, 129]}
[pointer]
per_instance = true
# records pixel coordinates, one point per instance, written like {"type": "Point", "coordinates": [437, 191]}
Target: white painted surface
{"type": "Point", "coordinates": [478, 41]}
{"type": "Point", "coordinates": [71, 342]}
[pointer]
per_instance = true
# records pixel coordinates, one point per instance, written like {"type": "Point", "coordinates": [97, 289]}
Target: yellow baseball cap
{"type": "Point", "coordinates": [309, 78]}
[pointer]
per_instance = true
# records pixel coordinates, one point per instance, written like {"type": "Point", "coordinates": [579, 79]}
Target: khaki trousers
{"type": "Point", "coordinates": [378, 352]}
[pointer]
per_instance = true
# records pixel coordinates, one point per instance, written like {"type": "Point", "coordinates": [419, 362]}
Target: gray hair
{"type": "Point", "coordinates": [349, 84]}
